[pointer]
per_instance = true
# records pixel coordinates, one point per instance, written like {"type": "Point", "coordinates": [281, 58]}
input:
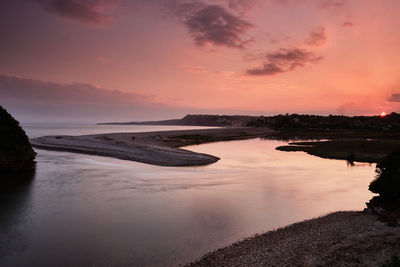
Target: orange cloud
{"type": "Point", "coordinates": [284, 60]}
{"type": "Point", "coordinates": [317, 37]}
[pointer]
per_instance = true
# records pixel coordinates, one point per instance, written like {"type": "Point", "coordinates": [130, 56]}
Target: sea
{"type": "Point", "coordinates": [86, 210]}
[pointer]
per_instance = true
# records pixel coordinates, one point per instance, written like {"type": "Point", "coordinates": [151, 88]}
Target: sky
{"type": "Point", "coordinates": [126, 60]}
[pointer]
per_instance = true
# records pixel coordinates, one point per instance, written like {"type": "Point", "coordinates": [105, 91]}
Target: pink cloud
{"type": "Point", "coordinates": [85, 11]}
{"type": "Point", "coordinates": [348, 24]}
{"type": "Point", "coordinates": [284, 60]}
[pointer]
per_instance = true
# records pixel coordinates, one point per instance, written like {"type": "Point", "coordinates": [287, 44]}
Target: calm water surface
{"type": "Point", "coordinates": [83, 210]}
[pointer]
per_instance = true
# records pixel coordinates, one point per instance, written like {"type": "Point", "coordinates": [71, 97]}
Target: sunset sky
{"type": "Point", "coordinates": [118, 60]}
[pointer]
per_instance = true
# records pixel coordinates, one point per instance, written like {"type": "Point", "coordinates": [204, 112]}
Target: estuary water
{"type": "Point", "coordinates": [84, 210]}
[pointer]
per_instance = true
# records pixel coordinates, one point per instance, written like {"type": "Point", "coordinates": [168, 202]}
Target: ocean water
{"type": "Point", "coordinates": [84, 210]}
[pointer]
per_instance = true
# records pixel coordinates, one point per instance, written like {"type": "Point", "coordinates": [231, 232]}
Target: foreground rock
{"type": "Point", "coordinates": [157, 148]}
{"type": "Point", "coordinates": [338, 239]}
{"type": "Point", "coordinates": [16, 153]}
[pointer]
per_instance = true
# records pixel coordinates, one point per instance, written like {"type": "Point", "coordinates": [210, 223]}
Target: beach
{"type": "Point", "coordinates": [338, 239]}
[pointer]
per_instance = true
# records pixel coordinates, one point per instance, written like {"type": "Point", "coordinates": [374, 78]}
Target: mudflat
{"type": "Point", "coordinates": [157, 148]}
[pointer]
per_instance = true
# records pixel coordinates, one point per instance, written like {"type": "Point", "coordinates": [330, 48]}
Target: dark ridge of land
{"type": "Point", "coordinates": [196, 120]}
{"type": "Point", "coordinates": [371, 151]}
{"type": "Point", "coordinates": [361, 145]}
{"type": "Point", "coordinates": [305, 134]}
{"type": "Point", "coordinates": [157, 148]}
{"type": "Point", "coordinates": [287, 121]}
{"type": "Point", "coordinates": [328, 123]}
{"type": "Point", "coordinates": [338, 239]}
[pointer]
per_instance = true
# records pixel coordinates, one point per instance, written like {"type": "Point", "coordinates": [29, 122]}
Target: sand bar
{"type": "Point", "coordinates": [157, 148]}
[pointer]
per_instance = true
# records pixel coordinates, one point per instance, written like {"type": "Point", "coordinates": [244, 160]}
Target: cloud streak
{"type": "Point", "coordinates": [284, 60]}
{"type": "Point", "coordinates": [76, 93]}
{"type": "Point", "coordinates": [85, 11]}
{"type": "Point", "coordinates": [326, 4]}
{"type": "Point", "coordinates": [348, 24]}
{"type": "Point", "coordinates": [78, 101]}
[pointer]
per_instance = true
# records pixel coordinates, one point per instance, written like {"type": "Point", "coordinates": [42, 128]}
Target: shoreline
{"type": "Point", "coordinates": [160, 148]}
{"type": "Point", "coordinates": [351, 238]}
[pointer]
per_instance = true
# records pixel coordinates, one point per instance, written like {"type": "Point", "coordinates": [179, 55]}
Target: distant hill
{"type": "Point", "coordinates": [197, 120]}
{"type": "Point", "coordinates": [287, 121]}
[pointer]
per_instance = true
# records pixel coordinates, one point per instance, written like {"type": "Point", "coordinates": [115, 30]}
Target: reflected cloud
{"type": "Point", "coordinates": [15, 194]}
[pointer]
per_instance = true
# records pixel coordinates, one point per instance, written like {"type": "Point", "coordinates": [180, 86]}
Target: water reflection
{"type": "Point", "coordinates": [15, 196]}
{"type": "Point", "coordinates": [84, 210]}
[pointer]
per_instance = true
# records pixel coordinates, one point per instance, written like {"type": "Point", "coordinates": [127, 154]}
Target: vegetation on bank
{"type": "Point", "coordinates": [331, 122]}
{"type": "Point", "coordinates": [351, 150]}
{"type": "Point", "coordinates": [387, 185]}
{"type": "Point", "coordinates": [16, 153]}
{"type": "Point", "coordinates": [362, 139]}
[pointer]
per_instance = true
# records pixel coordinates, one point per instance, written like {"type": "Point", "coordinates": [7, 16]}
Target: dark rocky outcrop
{"type": "Point", "coordinates": [16, 153]}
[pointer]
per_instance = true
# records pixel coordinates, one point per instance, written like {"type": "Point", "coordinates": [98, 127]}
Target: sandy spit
{"type": "Point", "coordinates": [157, 148]}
